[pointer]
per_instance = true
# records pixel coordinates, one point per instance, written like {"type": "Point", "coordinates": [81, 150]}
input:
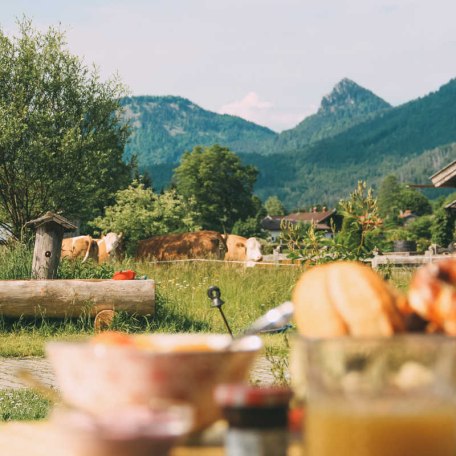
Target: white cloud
{"type": "Point", "coordinates": [263, 112]}
{"type": "Point", "coordinates": [249, 107]}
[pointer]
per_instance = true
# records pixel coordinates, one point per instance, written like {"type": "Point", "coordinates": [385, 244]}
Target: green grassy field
{"type": "Point", "coordinates": [182, 305]}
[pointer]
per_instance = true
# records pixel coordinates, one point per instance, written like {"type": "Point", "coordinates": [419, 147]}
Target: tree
{"type": "Point", "coordinates": [389, 198]}
{"type": "Point", "coordinates": [139, 213]}
{"type": "Point", "coordinates": [442, 228]}
{"type": "Point", "coordinates": [414, 200]}
{"type": "Point", "coordinates": [394, 197]}
{"type": "Point", "coordinates": [274, 206]}
{"type": "Point", "coordinates": [221, 186]}
{"type": "Point", "coordinates": [61, 138]}
{"type": "Point", "coordinates": [361, 216]}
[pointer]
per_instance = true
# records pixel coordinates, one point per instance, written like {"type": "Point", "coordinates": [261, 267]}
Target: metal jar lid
{"type": "Point", "coordinates": [244, 395]}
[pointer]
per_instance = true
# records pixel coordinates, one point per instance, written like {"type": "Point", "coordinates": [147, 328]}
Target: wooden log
{"type": "Point", "coordinates": [71, 298]}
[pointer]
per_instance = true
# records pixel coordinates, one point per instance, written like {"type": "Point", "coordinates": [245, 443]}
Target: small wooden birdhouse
{"type": "Point", "coordinates": [48, 244]}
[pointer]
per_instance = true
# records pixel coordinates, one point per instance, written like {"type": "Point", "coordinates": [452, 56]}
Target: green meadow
{"type": "Point", "coordinates": [181, 305]}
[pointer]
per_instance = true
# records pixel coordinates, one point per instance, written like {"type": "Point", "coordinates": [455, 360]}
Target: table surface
{"type": "Point", "coordinates": [41, 439]}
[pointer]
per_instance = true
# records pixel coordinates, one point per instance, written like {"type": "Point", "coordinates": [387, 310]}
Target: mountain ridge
{"type": "Point", "coordinates": [346, 140]}
{"type": "Point", "coordinates": [345, 106]}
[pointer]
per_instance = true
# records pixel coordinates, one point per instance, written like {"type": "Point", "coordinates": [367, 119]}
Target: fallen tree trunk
{"type": "Point", "coordinates": [71, 298]}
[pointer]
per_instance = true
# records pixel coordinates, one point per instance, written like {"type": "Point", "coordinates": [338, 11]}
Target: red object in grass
{"type": "Point", "coordinates": [124, 275]}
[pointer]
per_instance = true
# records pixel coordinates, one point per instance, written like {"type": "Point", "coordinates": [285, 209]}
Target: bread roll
{"type": "Point", "coordinates": [343, 298]}
{"type": "Point", "coordinates": [432, 295]}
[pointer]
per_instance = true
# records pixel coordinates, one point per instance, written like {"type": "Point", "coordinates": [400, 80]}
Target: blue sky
{"type": "Point", "coordinates": [269, 61]}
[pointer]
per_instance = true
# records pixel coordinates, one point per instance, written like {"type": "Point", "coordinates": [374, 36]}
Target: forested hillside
{"type": "Point", "coordinates": [394, 139]}
{"type": "Point", "coordinates": [355, 135]}
{"type": "Point", "coordinates": [165, 127]}
{"type": "Point", "coordinates": [347, 105]}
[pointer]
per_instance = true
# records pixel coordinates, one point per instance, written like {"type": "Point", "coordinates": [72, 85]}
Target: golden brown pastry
{"type": "Point", "coordinates": [432, 295]}
{"type": "Point", "coordinates": [345, 297]}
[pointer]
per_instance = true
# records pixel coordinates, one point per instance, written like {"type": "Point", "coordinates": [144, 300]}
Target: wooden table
{"type": "Point", "coordinates": [41, 439]}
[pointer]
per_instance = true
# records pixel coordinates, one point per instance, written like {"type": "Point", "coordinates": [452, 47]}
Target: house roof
{"type": "Point", "coordinates": [272, 223]}
{"type": "Point", "coordinates": [314, 216]}
{"type": "Point", "coordinates": [446, 177]}
{"type": "Point", "coordinates": [406, 214]}
{"type": "Point", "coordinates": [51, 217]}
{"type": "Point", "coordinates": [5, 233]}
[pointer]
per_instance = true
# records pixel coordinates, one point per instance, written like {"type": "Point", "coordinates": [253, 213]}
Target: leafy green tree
{"type": "Point", "coordinates": [421, 227]}
{"type": "Point", "coordinates": [61, 140]}
{"type": "Point", "coordinates": [274, 206]}
{"type": "Point", "coordinates": [442, 228]}
{"type": "Point", "coordinates": [361, 215]}
{"type": "Point", "coordinates": [414, 200]}
{"type": "Point", "coordinates": [139, 213]}
{"type": "Point", "coordinates": [248, 228]}
{"type": "Point", "coordinates": [394, 197]}
{"type": "Point", "coordinates": [221, 186]}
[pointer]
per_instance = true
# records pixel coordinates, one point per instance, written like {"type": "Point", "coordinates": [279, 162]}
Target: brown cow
{"type": "Point", "coordinates": [242, 249]}
{"type": "Point", "coordinates": [108, 246]}
{"type": "Point", "coordinates": [198, 244]}
{"type": "Point", "coordinates": [84, 247]}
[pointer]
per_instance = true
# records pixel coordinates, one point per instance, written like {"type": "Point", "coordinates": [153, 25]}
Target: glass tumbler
{"type": "Point", "coordinates": [377, 396]}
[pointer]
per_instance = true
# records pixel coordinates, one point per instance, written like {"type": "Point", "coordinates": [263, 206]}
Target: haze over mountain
{"type": "Point", "coordinates": [354, 135]}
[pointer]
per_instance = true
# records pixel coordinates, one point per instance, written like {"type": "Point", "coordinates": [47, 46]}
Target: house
{"type": "Point", "coordinates": [321, 219]}
{"type": "Point", "coordinates": [446, 177]}
{"type": "Point", "coordinates": [5, 233]}
{"type": "Point", "coordinates": [272, 225]}
{"type": "Point", "coordinates": [451, 207]}
{"type": "Point", "coordinates": [407, 216]}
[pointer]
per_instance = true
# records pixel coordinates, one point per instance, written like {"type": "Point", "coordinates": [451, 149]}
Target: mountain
{"type": "Point", "coordinates": [347, 105]}
{"type": "Point", "coordinates": [354, 135]}
{"type": "Point", "coordinates": [165, 127]}
{"type": "Point", "coordinates": [327, 170]}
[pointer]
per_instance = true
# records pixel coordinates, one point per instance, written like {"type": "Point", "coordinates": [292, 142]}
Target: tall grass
{"type": "Point", "coordinates": [15, 261]}
{"type": "Point", "coordinates": [181, 303]}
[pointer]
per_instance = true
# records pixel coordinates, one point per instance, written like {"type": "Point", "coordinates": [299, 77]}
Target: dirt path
{"type": "Point", "coordinates": [41, 369]}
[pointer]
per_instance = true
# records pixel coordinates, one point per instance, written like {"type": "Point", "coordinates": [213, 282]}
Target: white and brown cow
{"type": "Point", "coordinates": [108, 246]}
{"type": "Point", "coordinates": [242, 249]}
{"type": "Point", "coordinates": [198, 244]}
{"type": "Point", "coordinates": [84, 247]}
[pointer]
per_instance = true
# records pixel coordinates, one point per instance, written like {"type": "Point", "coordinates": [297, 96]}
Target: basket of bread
{"type": "Point", "coordinates": [349, 298]}
{"type": "Point", "coordinates": [375, 366]}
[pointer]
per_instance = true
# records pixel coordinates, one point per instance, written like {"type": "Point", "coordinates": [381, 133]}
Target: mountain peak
{"type": "Point", "coordinates": [348, 96]}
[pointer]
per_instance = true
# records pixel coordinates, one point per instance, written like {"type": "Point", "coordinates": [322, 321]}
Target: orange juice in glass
{"type": "Point", "coordinates": [378, 397]}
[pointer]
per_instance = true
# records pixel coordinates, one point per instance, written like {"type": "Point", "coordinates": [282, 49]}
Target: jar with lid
{"type": "Point", "coordinates": [257, 419]}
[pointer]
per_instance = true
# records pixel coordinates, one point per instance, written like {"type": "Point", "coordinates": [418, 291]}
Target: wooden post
{"type": "Point", "coordinates": [48, 244]}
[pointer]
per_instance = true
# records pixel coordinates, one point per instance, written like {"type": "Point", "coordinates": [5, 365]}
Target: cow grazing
{"type": "Point", "coordinates": [84, 247]}
{"type": "Point", "coordinates": [198, 244]}
{"type": "Point", "coordinates": [243, 249]}
{"type": "Point", "coordinates": [108, 246]}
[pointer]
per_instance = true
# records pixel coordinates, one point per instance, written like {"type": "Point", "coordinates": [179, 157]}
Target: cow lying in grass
{"type": "Point", "coordinates": [198, 244]}
{"type": "Point", "coordinates": [85, 247]}
{"type": "Point", "coordinates": [242, 249]}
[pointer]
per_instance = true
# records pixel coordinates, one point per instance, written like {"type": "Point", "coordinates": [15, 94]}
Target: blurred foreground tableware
{"type": "Point", "coordinates": [377, 396]}
{"type": "Point", "coordinates": [96, 377]}
{"type": "Point", "coordinates": [128, 431]}
{"type": "Point", "coordinates": [257, 418]}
